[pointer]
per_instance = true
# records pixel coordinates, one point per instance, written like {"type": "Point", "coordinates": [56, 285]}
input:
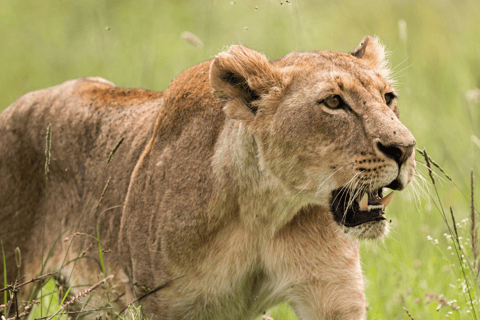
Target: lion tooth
{"type": "Point", "coordinates": [363, 203]}
{"type": "Point", "coordinates": [386, 200]}
{"type": "Point", "coordinates": [376, 206]}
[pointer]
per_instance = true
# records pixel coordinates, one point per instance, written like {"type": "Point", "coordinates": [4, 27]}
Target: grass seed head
{"type": "Point", "coordinates": [18, 257]}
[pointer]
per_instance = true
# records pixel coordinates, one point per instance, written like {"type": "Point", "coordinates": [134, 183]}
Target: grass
{"type": "Point", "coordinates": [435, 56]}
{"type": "Point", "coordinates": [50, 302]}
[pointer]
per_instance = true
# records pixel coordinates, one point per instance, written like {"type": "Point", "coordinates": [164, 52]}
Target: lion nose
{"type": "Point", "coordinates": [397, 151]}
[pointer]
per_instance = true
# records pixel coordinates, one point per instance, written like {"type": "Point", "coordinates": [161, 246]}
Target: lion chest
{"type": "Point", "coordinates": [246, 297]}
{"type": "Point", "coordinates": [231, 281]}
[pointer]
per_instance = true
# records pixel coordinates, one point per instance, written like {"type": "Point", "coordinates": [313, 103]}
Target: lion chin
{"type": "Point", "coordinates": [248, 182]}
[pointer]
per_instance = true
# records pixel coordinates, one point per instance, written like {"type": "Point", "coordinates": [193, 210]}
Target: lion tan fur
{"type": "Point", "coordinates": [222, 189]}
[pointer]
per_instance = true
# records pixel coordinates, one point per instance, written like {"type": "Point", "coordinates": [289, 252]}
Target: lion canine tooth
{"type": "Point", "coordinates": [363, 203]}
{"type": "Point", "coordinates": [386, 200]}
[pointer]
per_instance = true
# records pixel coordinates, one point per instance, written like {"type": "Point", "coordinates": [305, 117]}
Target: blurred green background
{"type": "Point", "coordinates": [434, 52]}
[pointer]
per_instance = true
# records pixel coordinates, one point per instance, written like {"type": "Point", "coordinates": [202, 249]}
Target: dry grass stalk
{"type": "Point", "coordinates": [86, 292]}
{"type": "Point", "coordinates": [103, 193]}
{"type": "Point", "coordinates": [84, 252]}
{"type": "Point", "coordinates": [10, 287]}
{"type": "Point", "coordinates": [26, 310]}
{"type": "Point", "coordinates": [473, 227]}
{"type": "Point", "coordinates": [455, 229]}
{"type": "Point", "coordinates": [75, 312]}
{"type": "Point", "coordinates": [47, 149]}
{"type": "Point", "coordinates": [73, 235]}
{"type": "Point", "coordinates": [18, 257]}
{"type": "Point", "coordinates": [408, 313]}
{"type": "Point", "coordinates": [442, 301]}
{"type": "Point", "coordinates": [13, 295]}
{"type": "Point", "coordinates": [79, 296]}
{"type": "Point", "coordinates": [115, 149]}
{"type": "Point", "coordinates": [429, 162]}
{"type": "Point", "coordinates": [160, 287]}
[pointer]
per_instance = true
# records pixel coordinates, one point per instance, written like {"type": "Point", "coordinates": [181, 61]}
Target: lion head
{"type": "Point", "coordinates": [326, 125]}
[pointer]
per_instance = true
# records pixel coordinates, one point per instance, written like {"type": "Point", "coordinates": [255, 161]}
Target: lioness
{"type": "Point", "coordinates": [247, 183]}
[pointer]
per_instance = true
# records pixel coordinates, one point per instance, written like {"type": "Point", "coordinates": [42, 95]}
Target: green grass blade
{"type": "Point", "coordinates": [98, 219]}
{"type": "Point", "coordinates": [100, 252]}
{"type": "Point", "coordinates": [65, 295]}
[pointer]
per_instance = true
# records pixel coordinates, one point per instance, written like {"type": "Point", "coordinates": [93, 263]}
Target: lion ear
{"type": "Point", "coordinates": [371, 52]}
{"type": "Point", "coordinates": [243, 76]}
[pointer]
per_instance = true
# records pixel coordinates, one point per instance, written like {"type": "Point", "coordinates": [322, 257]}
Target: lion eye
{"type": "Point", "coordinates": [333, 102]}
{"type": "Point", "coordinates": [389, 98]}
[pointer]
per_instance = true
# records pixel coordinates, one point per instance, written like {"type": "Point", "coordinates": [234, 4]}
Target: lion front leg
{"type": "Point", "coordinates": [339, 299]}
{"type": "Point", "coordinates": [317, 268]}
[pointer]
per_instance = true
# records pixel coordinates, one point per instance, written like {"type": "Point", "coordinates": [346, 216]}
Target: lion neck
{"type": "Point", "coordinates": [264, 202]}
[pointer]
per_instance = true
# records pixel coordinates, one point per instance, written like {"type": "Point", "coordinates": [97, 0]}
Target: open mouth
{"type": "Point", "coordinates": [353, 207]}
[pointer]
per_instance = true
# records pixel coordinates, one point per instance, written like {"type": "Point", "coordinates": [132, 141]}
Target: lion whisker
{"type": "Point", "coordinates": [416, 193]}
{"type": "Point", "coordinates": [354, 192]}
{"type": "Point", "coordinates": [399, 71]}
{"type": "Point", "coordinates": [324, 181]}
{"type": "Point", "coordinates": [301, 190]}
{"type": "Point", "coordinates": [425, 183]}
{"type": "Point", "coordinates": [421, 183]}
{"type": "Point", "coordinates": [421, 175]}
{"type": "Point", "coordinates": [433, 172]}
{"type": "Point", "coordinates": [358, 191]}
{"type": "Point", "coordinates": [398, 65]}
{"type": "Point", "coordinates": [345, 188]}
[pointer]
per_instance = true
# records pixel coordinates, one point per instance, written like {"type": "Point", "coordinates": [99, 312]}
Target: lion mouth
{"type": "Point", "coordinates": [353, 207]}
